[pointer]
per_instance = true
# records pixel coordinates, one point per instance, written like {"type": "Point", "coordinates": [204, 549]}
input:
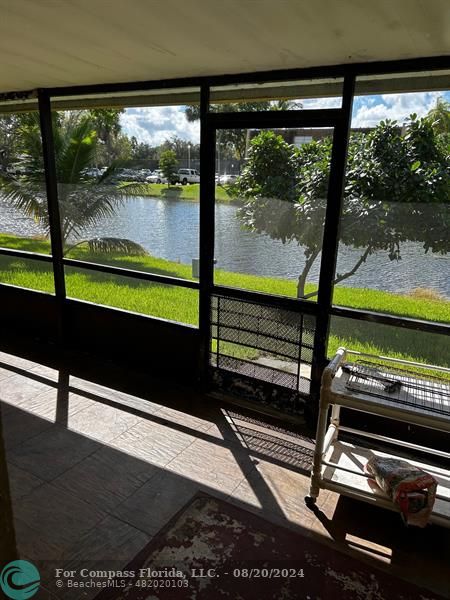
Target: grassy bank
{"type": "Point", "coordinates": [181, 304]}
{"type": "Point", "coordinates": [189, 193]}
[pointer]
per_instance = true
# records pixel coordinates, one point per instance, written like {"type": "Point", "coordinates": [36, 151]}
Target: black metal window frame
{"type": "Point", "coordinates": [338, 118]}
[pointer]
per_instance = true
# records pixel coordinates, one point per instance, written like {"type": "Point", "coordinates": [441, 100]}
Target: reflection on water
{"type": "Point", "coordinates": [170, 229]}
{"type": "Point", "coordinates": [13, 221]}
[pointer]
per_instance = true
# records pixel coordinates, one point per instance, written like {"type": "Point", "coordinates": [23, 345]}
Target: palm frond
{"type": "Point", "coordinates": [108, 245]}
{"type": "Point", "coordinates": [84, 205]}
{"type": "Point", "coordinates": [76, 151]}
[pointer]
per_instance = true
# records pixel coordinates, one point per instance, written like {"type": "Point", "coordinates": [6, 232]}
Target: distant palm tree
{"type": "Point", "coordinates": [83, 201]}
{"type": "Point", "coordinates": [440, 116]}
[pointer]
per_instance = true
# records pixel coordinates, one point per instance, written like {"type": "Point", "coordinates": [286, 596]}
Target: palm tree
{"type": "Point", "coordinates": [440, 116]}
{"type": "Point", "coordinates": [83, 201]}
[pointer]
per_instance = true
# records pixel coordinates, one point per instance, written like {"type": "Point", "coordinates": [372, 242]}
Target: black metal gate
{"type": "Point", "coordinates": [262, 352]}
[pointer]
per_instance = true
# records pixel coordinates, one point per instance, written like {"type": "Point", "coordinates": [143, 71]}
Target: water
{"type": "Point", "coordinates": [170, 229]}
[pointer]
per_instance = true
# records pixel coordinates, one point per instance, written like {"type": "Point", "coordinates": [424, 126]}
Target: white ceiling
{"type": "Point", "coordinates": [48, 43]}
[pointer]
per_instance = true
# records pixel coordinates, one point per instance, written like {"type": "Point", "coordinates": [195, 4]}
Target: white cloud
{"type": "Point", "coordinates": [153, 125]}
{"type": "Point", "coordinates": [322, 103]}
{"type": "Point", "coordinates": [369, 111]}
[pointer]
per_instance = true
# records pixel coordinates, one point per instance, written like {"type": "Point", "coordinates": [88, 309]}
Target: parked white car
{"type": "Point", "coordinates": [156, 177]}
{"type": "Point", "coordinates": [185, 176]}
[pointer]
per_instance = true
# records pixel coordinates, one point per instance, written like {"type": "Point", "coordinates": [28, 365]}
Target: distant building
{"type": "Point", "coordinates": [304, 135]}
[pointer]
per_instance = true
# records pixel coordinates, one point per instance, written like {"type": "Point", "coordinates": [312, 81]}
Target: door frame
{"type": "Point", "coordinates": [340, 120]}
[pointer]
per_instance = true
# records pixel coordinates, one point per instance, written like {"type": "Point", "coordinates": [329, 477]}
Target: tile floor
{"type": "Point", "coordinates": [94, 473]}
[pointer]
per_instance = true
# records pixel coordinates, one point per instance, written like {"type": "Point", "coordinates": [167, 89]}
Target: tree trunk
{"type": "Point", "coordinates": [304, 274]}
{"type": "Point", "coordinates": [247, 143]}
{"type": "Point", "coordinates": [339, 277]}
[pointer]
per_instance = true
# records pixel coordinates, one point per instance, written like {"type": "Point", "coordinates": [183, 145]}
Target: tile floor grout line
{"type": "Point", "coordinates": [65, 470]}
{"type": "Point", "coordinates": [51, 424]}
{"type": "Point", "coordinates": [181, 452]}
{"type": "Point", "coordinates": [91, 503]}
{"type": "Point", "coordinates": [137, 489]}
{"type": "Point", "coordinates": [107, 515]}
{"type": "Point", "coordinates": [200, 484]}
{"type": "Point", "coordinates": [9, 449]}
{"type": "Point", "coordinates": [55, 424]}
{"type": "Point", "coordinates": [102, 444]}
{"type": "Point", "coordinates": [159, 468]}
{"type": "Point", "coordinates": [122, 520]}
{"type": "Point", "coordinates": [103, 515]}
{"type": "Point", "coordinates": [42, 482]}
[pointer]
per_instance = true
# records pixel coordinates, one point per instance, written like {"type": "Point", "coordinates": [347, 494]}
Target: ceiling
{"type": "Point", "coordinates": [51, 43]}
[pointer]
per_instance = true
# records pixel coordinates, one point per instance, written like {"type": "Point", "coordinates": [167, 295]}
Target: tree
{"type": "Point", "coordinates": [106, 122]}
{"type": "Point", "coordinates": [83, 201]}
{"type": "Point", "coordinates": [182, 148]}
{"type": "Point", "coordinates": [142, 150]}
{"type": "Point", "coordinates": [111, 145]}
{"type": "Point", "coordinates": [440, 116]}
{"type": "Point", "coordinates": [10, 126]}
{"type": "Point", "coordinates": [168, 164]}
{"type": "Point", "coordinates": [396, 190]}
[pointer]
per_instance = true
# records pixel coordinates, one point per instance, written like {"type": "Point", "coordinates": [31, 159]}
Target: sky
{"type": "Point", "coordinates": [154, 125]}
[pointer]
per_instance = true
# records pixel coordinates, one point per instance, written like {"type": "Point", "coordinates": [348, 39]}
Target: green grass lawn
{"type": "Point", "coordinates": [181, 304]}
{"type": "Point", "coordinates": [190, 192]}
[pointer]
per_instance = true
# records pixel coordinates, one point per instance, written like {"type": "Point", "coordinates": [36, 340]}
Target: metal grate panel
{"type": "Point", "coordinates": [400, 386]}
{"type": "Point", "coordinates": [259, 341]}
{"type": "Point", "coordinates": [262, 343]}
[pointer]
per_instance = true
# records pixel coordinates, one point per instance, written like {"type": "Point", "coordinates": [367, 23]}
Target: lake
{"type": "Point", "coordinates": [170, 229]}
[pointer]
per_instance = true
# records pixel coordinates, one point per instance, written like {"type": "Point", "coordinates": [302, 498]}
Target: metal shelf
{"type": "Point", "coordinates": [389, 388]}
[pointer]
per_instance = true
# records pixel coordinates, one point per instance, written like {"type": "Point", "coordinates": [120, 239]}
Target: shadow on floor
{"type": "Point", "coordinates": [95, 473]}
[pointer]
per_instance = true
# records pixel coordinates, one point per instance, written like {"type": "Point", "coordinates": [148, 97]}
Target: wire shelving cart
{"type": "Point", "coordinates": [396, 389]}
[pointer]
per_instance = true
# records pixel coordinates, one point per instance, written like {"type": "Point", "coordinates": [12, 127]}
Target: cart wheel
{"type": "Point", "coordinates": [310, 501]}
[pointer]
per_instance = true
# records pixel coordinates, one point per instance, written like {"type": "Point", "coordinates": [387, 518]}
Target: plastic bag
{"type": "Point", "coordinates": [411, 488]}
